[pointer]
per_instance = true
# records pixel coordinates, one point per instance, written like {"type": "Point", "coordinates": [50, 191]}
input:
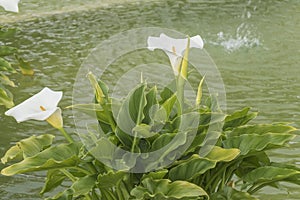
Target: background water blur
{"type": "Point", "coordinates": [255, 45]}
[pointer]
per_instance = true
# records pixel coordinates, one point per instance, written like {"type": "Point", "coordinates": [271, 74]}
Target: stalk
{"type": "Point", "coordinates": [66, 135]}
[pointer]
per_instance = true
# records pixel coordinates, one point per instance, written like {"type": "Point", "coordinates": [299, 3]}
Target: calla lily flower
{"type": "Point", "coordinates": [174, 48]}
{"type": "Point", "coordinates": [41, 106]}
{"type": "Point", "coordinates": [10, 5]}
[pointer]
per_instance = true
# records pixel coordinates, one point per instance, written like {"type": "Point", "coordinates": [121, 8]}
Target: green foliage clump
{"type": "Point", "coordinates": [235, 167]}
{"type": "Point", "coordinates": [6, 68]}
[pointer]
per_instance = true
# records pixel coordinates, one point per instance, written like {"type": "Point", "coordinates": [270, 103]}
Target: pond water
{"type": "Point", "coordinates": [255, 45]}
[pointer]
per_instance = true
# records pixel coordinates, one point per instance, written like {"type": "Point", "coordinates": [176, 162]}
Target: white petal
{"type": "Point", "coordinates": [196, 42]}
{"type": "Point", "coordinates": [32, 107]}
{"type": "Point", "coordinates": [174, 48]}
{"type": "Point", "coordinates": [10, 5]}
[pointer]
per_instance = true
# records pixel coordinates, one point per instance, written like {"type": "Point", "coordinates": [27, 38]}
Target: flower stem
{"type": "Point", "coordinates": [82, 170]}
{"type": "Point", "coordinates": [66, 135]}
{"type": "Point", "coordinates": [180, 94]}
{"type": "Point", "coordinates": [68, 174]}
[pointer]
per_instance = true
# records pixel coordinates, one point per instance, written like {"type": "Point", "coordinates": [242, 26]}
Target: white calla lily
{"type": "Point", "coordinates": [38, 107]}
{"type": "Point", "coordinates": [10, 5]}
{"type": "Point", "coordinates": [174, 48]}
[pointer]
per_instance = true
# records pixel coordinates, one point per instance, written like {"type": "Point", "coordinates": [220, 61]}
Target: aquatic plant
{"type": "Point", "coordinates": [7, 68]}
{"type": "Point", "coordinates": [233, 166]}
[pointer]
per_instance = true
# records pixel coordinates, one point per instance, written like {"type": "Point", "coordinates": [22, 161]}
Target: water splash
{"type": "Point", "coordinates": [244, 37]}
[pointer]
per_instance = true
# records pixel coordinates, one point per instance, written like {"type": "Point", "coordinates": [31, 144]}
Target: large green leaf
{"type": "Point", "coordinates": [28, 147]}
{"type": "Point", "coordinates": [269, 174]}
{"type": "Point", "coordinates": [110, 179]}
{"type": "Point", "coordinates": [162, 141]}
{"type": "Point", "coordinates": [249, 163]}
{"type": "Point", "coordinates": [191, 168]}
{"type": "Point", "coordinates": [254, 142]}
{"type": "Point", "coordinates": [61, 156]}
{"type": "Point", "coordinates": [131, 111]}
{"type": "Point", "coordinates": [165, 189]}
{"type": "Point", "coordinates": [261, 129]}
{"type": "Point", "coordinates": [196, 165]}
{"type": "Point", "coordinates": [219, 154]}
{"type": "Point", "coordinates": [35, 144]}
{"type": "Point", "coordinates": [238, 118]}
{"type": "Point", "coordinates": [229, 193]}
{"type": "Point", "coordinates": [83, 186]}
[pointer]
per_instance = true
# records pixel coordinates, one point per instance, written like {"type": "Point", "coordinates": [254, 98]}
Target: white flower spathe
{"type": "Point", "coordinates": [10, 5]}
{"type": "Point", "coordinates": [38, 107]}
{"type": "Point", "coordinates": [174, 48]}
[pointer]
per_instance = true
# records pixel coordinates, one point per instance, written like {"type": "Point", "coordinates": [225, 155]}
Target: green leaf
{"type": "Point", "coordinates": [64, 195]}
{"type": "Point", "coordinates": [61, 156]}
{"type": "Point", "coordinates": [229, 193]}
{"type": "Point", "coordinates": [6, 81]}
{"type": "Point", "coordinates": [269, 174]}
{"type": "Point", "coordinates": [162, 141]}
{"type": "Point", "coordinates": [168, 91]}
{"type": "Point", "coordinates": [131, 111]}
{"type": "Point", "coordinates": [219, 154]}
{"type": "Point", "coordinates": [110, 179]}
{"type": "Point", "coordinates": [199, 92]}
{"type": "Point", "coordinates": [151, 105]}
{"type": "Point", "coordinates": [83, 185]}
{"type": "Point", "coordinates": [35, 144]}
{"type": "Point", "coordinates": [143, 131]}
{"type": "Point", "coordinates": [252, 143]}
{"type": "Point", "coordinates": [191, 168]}
{"type": "Point", "coordinates": [28, 147]}
{"type": "Point", "coordinates": [6, 66]}
{"type": "Point", "coordinates": [208, 118]}
{"type": "Point", "coordinates": [7, 50]}
{"type": "Point", "coordinates": [99, 95]}
{"type": "Point", "coordinates": [156, 174]}
{"type": "Point", "coordinates": [124, 138]}
{"type": "Point", "coordinates": [6, 98]}
{"type": "Point", "coordinates": [238, 118]}
{"type": "Point", "coordinates": [261, 129]}
{"type": "Point", "coordinates": [163, 113]}
{"type": "Point", "coordinates": [165, 189]}
{"type": "Point", "coordinates": [13, 153]}
{"type": "Point", "coordinates": [123, 190]}
{"type": "Point", "coordinates": [249, 163]}
{"type": "Point", "coordinates": [54, 178]}
{"type": "Point", "coordinates": [25, 67]}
